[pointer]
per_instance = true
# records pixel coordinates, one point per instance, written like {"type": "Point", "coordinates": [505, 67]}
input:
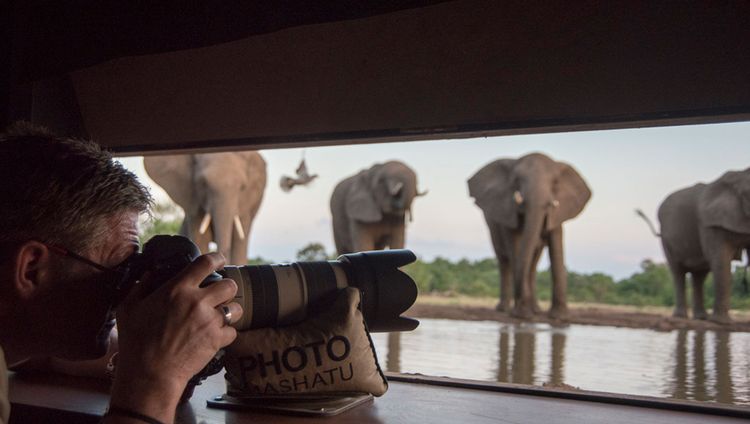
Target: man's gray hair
{"type": "Point", "coordinates": [61, 190]}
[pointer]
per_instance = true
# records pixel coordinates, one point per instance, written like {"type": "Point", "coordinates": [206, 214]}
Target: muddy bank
{"type": "Point", "coordinates": [578, 315]}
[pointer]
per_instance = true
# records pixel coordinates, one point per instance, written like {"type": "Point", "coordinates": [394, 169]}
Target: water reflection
{"type": "Point", "coordinates": [393, 360]}
{"type": "Point", "coordinates": [557, 373]}
{"type": "Point", "coordinates": [699, 364]}
{"type": "Point", "coordinates": [524, 348]}
{"type": "Point", "coordinates": [523, 357]}
{"type": "Point", "coordinates": [724, 391]}
{"type": "Point", "coordinates": [522, 363]}
{"type": "Point", "coordinates": [502, 369]}
{"type": "Point", "coordinates": [683, 364]}
{"type": "Point", "coordinates": [690, 381]}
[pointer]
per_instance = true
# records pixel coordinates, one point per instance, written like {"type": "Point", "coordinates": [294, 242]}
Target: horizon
{"type": "Point", "coordinates": [606, 237]}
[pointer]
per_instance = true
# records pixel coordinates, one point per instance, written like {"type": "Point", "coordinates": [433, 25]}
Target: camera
{"type": "Point", "coordinates": [284, 294]}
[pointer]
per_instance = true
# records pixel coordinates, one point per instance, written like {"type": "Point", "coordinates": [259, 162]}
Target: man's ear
{"type": "Point", "coordinates": [32, 268]}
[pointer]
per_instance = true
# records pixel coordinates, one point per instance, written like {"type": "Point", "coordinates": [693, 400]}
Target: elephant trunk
{"type": "Point", "coordinates": [223, 228]}
{"type": "Point", "coordinates": [523, 262]}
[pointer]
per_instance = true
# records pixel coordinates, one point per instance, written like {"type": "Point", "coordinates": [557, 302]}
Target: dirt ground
{"type": "Point", "coordinates": [655, 318]}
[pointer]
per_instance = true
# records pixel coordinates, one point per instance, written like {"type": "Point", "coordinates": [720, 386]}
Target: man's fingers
{"type": "Point", "coordinates": [228, 334]}
{"type": "Point", "coordinates": [220, 292]}
{"type": "Point", "coordinates": [235, 311]}
{"type": "Point", "coordinates": [200, 268]}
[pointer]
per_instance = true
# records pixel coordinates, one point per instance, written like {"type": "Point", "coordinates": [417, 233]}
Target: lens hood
{"type": "Point", "coordinates": [387, 292]}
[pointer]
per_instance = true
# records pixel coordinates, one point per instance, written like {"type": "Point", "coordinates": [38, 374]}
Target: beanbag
{"type": "Point", "coordinates": [326, 354]}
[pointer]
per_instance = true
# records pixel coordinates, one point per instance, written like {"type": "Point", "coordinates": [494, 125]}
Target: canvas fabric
{"type": "Point", "coordinates": [326, 354]}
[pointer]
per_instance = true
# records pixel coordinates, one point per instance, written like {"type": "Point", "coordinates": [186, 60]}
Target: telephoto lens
{"type": "Point", "coordinates": [283, 294]}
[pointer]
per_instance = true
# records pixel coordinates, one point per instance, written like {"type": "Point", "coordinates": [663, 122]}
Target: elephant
{"type": "Point", "coordinates": [525, 202]}
{"type": "Point", "coordinates": [369, 209]}
{"type": "Point", "coordinates": [220, 194]}
{"type": "Point", "coordinates": [703, 228]}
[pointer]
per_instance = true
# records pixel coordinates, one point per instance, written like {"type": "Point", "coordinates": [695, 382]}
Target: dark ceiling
{"type": "Point", "coordinates": [154, 76]}
{"type": "Point", "coordinates": [53, 38]}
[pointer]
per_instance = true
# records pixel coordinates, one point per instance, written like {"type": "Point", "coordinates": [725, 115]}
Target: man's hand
{"type": "Point", "coordinates": [169, 335]}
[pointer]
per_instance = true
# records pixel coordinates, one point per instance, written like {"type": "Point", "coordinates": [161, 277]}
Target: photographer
{"type": "Point", "coordinates": [70, 218]}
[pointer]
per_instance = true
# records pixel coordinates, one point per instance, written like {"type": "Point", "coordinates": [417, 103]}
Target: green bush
{"type": "Point", "coordinates": [258, 261]}
{"type": "Point", "coordinates": [312, 252]}
{"type": "Point", "coordinates": [472, 278]}
{"type": "Point", "coordinates": [650, 287]}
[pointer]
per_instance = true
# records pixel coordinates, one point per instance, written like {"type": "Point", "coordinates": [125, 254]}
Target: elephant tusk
{"type": "Point", "coordinates": [422, 193]}
{"type": "Point", "coordinates": [395, 188]}
{"type": "Point", "coordinates": [517, 197]}
{"type": "Point", "coordinates": [204, 223]}
{"type": "Point", "coordinates": [555, 203]}
{"type": "Point", "coordinates": [238, 227]}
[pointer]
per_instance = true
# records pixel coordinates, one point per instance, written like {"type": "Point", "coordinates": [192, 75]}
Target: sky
{"type": "Point", "coordinates": [625, 169]}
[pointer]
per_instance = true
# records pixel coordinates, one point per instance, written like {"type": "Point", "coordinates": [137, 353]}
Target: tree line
{"type": "Point", "coordinates": [650, 286]}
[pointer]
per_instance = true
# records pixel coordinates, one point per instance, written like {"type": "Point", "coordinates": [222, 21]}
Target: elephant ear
{"type": "Point", "coordinates": [726, 202]}
{"type": "Point", "coordinates": [360, 202]}
{"type": "Point", "coordinates": [571, 193]}
{"type": "Point", "coordinates": [492, 188]}
{"type": "Point", "coordinates": [173, 173]}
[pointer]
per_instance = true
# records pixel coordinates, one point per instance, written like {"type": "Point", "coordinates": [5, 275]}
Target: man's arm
{"type": "Point", "coordinates": [95, 368]}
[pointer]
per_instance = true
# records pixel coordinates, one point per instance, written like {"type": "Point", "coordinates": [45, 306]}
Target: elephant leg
{"type": "Point", "coordinates": [699, 309]}
{"type": "Point", "coordinates": [532, 279]}
{"type": "Point", "coordinates": [505, 270]}
{"type": "Point", "coordinates": [678, 278]}
{"type": "Point", "coordinates": [506, 280]}
{"type": "Point", "coordinates": [398, 237]}
{"type": "Point", "coordinates": [364, 244]}
{"type": "Point", "coordinates": [363, 238]}
{"type": "Point", "coordinates": [559, 308]}
{"type": "Point", "coordinates": [381, 244]}
{"type": "Point", "coordinates": [722, 284]}
{"type": "Point", "coordinates": [721, 254]}
{"type": "Point", "coordinates": [521, 299]}
{"type": "Point", "coordinates": [722, 272]}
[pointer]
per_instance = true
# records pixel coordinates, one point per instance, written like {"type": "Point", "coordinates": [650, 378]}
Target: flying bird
{"type": "Point", "coordinates": [303, 178]}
